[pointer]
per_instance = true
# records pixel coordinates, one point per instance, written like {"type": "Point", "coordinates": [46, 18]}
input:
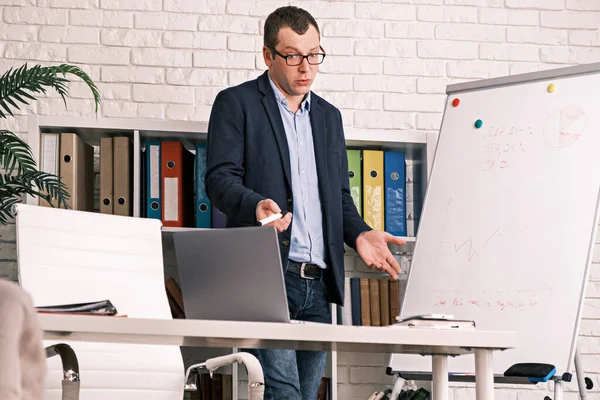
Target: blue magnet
{"type": "Point", "coordinates": [478, 123]}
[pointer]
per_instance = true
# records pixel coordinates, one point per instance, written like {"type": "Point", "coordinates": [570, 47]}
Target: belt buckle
{"type": "Point", "coordinates": [302, 271]}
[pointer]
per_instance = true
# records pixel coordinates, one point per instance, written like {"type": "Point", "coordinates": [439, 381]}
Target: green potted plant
{"type": "Point", "coordinates": [18, 173]}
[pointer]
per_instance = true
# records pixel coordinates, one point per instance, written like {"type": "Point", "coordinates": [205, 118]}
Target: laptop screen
{"type": "Point", "coordinates": [231, 274]}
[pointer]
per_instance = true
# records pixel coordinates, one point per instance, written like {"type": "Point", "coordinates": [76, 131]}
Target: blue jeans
{"type": "Point", "coordinates": [296, 374]}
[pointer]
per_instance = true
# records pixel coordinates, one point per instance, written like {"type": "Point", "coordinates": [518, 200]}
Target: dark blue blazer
{"type": "Point", "coordinates": [248, 160]}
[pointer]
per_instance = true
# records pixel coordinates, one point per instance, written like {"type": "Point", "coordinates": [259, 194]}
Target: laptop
{"type": "Point", "coordinates": [231, 274]}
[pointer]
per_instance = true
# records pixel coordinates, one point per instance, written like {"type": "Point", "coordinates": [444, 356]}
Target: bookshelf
{"type": "Point", "coordinates": [419, 148]}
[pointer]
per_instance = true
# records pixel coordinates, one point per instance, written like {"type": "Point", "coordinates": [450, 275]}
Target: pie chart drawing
{"type": "Point", "coordinates": [564, 127]}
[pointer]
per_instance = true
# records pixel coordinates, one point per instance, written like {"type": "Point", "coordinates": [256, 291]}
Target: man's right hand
{"type": "Point", "coordinates": [268, 207]}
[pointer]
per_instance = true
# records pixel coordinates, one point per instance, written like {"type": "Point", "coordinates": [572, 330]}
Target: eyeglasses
{"type": "Point", "coordinates": [293, 60]}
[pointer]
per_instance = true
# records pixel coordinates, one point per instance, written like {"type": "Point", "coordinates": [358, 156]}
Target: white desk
{"type": "Point", "coordinates": [438, 343]}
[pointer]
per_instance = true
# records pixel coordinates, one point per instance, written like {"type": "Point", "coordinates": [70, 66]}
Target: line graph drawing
{"type": "Point", "coordinates": [471, 251]}
{"type": "Point", "coordinates": [470, 246]}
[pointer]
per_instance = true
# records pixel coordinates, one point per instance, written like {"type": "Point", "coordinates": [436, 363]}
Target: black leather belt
{"type": "Point", "coordinates": [305, 270]}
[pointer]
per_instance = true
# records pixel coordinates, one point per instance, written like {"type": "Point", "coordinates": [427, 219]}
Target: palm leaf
{"type": "Point", "coordinates": [6, 208]}
{"type": "Point", "coordinates": [15, 153]}
{"type": "Point", "coordinates": [66, 69]}
{"type": "Point", "coordinates": [34, 183]}
{"type": "Point", "coordinates": [16, 85]}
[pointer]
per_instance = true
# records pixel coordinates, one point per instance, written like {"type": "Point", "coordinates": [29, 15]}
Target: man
{"type": "Point", "coordinates": [274, 145]}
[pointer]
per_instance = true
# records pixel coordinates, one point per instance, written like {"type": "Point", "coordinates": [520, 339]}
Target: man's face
{"type": "Point", "coordinates": [293, 80]}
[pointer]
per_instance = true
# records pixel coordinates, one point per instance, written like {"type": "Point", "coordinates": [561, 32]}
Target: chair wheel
{"type": "Point", "coordinates": [589, 384]}
{"type": "Point", "coordinates": [547, 398]}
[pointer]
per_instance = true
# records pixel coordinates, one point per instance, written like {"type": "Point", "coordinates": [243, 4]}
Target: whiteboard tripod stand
{"type": "Point", "coordinates": [584, 383]}
{"type": "Point", "coordinates": [483, 248]}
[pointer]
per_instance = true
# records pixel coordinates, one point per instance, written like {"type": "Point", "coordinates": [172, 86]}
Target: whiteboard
{"type": "Point", "coordinates": [509, 217]}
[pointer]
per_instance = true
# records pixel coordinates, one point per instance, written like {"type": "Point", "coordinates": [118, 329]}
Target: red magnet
{"type": "Point", "coordinates": [455, 102]}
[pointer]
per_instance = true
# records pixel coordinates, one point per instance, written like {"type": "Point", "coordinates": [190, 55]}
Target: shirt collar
{"type": "Point", "coordinates": [281, 98]}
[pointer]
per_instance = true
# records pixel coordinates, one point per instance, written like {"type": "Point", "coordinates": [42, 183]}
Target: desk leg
{"type": "Point", "coordinates": [440, 377]}
{"type": "Point", "coordinates": [484, 374]}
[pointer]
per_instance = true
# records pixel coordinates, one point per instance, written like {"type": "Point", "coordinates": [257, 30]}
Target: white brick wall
{"type": "Point", "coordinates": [388, 65]}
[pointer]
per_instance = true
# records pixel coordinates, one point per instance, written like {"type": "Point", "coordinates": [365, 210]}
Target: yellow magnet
{"type": "Point", "coordinates": [551, 88]}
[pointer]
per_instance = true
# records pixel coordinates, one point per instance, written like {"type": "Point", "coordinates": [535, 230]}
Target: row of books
{"type": "Point", "coordinates": [169, 190]}
{"type": "Point", "coordinates": [324, 392]}
{"type": "Point", "coordinates": [219, 387]}
{"type": "Point", "coordinates": [70, 157]}
{"type": "Point", "coordinates": [377, 181]}
{"type": "Point", "coordinates": [168, 183]}
{"type": "Point", "coordinates": [173, 188]}
{"type": "Point", "coordinates": [378, 188]}
{"type": "Point", "coordinates": [116, 174]}
{"type": "Point", "coordinates": [371, 302]}
{"type": "Point", "coordinates": [169, 167]}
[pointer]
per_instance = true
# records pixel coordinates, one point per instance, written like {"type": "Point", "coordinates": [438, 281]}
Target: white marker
{"type": "Point", "coordinates": [270, 219]}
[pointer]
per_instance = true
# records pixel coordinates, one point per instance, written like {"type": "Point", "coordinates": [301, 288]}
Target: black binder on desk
{"type": "Point", "coordinates": [104, 307]}
{"type": "Point", "coordinates": [435, 322]}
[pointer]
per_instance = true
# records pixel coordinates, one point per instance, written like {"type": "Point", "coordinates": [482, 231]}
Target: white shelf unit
{"type": "Point", "coordinates": [418, 147]}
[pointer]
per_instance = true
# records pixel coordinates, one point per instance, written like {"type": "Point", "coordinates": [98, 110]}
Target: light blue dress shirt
{"type": "Point", "coordinates": [307, 244]}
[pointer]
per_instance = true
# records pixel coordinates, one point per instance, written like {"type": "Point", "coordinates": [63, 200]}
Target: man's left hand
{"type": "Point", "coordinates": [372, 247]}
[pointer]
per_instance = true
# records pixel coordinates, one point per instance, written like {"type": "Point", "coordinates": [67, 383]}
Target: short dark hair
{"type": "Point", "coordinates": [296, 18]}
